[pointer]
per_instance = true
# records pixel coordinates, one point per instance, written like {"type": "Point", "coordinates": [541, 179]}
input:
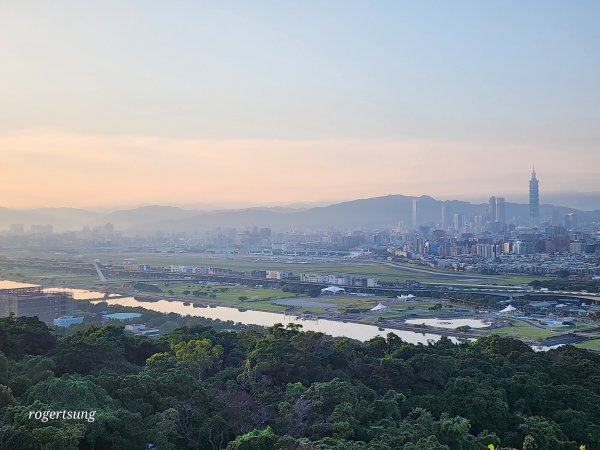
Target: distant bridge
{"type": "Point", "coordinates": [100, 274]}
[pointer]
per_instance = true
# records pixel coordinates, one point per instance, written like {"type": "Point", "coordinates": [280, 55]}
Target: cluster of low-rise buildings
{"type": "Point", "coordinates": [337, 279]}
{"type": "Point", "coordinates": [340, 280]}
{"type": "Point", "coordinates": [539, 250]}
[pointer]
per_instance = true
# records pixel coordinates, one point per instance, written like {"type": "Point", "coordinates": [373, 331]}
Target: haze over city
{"type": "Point", "coordinates": [300, 225]}
{"type": "Point", "coordinates": [273, 103]}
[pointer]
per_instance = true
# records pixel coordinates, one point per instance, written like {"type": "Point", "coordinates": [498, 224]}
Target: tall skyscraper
{"type": "Point", "coordinates": [459, 222]}
{"type": "Point", "coordinates": [497, 213]}
{"type": "Point", "coordinates": [571, 221]}
{"type": "Point", "coordinates": [445, 217]}
{"type": "Point", "coordinates": [501, 212]}
{"type": "Point", "coordinates": [555, 219]}
{"type": "Point", "coordinates": [534, 200]}
{"type": "Point", "coordinates": [492, 209]}
{"type": "Point", "coordinates": [414, 213]}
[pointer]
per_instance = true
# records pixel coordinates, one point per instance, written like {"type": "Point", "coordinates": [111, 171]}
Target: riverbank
{"type": "Point", "coordinates": [306, 308]}
{"type": "Point", "coordinates": [533, 336]}
{"type": "Point", "coordinates": [391, 324]}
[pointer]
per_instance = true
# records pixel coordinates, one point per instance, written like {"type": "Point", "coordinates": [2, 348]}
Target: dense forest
{"type": "Point", "coordinates": [202, 388]}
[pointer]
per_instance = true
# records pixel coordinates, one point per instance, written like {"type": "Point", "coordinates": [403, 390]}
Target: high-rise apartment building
{"type": "Point", "coordinates": [492, 209]}
{"type": "Point", "coordinates": [445, 217]}
{"type": "Point", "coordinates": [459, 221]}
{"type": "Point", "coordinates": [414, 213]}
{"type": "Point", "coordinates": [501, 211]}
{"type": "Point", "coordinates": [571, 221]}
{"type": "Point", "coordinates": [497, 212]}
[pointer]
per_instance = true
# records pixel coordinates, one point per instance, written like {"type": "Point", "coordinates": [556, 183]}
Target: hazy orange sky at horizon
{"type": "Point", "coordinates": [233, 103]}
{"type": "Point", "coordinates": [53, 168]}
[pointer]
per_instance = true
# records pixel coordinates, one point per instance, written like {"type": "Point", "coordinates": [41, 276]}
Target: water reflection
{"type": "Point", "coordinates": [7, 284]}
{"type": "Point", "coordinates": [83, 294]}
{"type": "Point", "coordinates": [331, 327]}
{"type": "Point", "coordinates": [78, 294]}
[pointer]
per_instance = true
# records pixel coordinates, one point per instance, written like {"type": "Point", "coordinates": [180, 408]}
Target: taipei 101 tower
{"type": "Point", "coordinates": [534, 200]}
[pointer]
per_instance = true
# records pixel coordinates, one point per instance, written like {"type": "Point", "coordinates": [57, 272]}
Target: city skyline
{"type": "Point", "coordinates": [300, 224]}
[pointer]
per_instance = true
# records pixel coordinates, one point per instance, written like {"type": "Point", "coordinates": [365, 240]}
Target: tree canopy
{"type": "Point", "coordinates": [204, 389]}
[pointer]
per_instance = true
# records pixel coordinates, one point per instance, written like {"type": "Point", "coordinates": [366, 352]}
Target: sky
{"type": "Point", "coordinates": [275, 102]}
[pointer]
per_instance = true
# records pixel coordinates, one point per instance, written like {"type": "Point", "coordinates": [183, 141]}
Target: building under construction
{"type": "Point", "coordinates": [34, 301]}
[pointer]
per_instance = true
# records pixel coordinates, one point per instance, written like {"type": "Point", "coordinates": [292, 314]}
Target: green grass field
{"type": "Point", "coordinates": [226, 293]}
{"type": "Point", "coordinates": [523, 330]}
{"type": "Point", "coordinates": [594, 344]}
{"type": "Point", "coordinates": [377, 269]}
{"type": "Point", "coordinates": [257, 298]}
{"type": "Point", "coordinates": [48, 277]}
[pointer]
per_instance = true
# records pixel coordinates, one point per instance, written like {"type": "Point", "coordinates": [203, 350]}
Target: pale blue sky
{"type": "Point", "coordinates": [490, 74]}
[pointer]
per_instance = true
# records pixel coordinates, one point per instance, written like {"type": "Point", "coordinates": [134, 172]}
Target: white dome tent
{"type": "Point", "coordinates": [379, 307]}
{"type": "Point", "coordinates": [332, 290]}
{"type": "Point", "coordinates": [510, 309]}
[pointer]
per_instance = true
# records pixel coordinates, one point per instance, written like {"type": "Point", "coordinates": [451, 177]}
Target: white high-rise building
{"type": "Point", "coordinates": [414, 213]}
{"type": "Point", "coordinates": [445, 218]}
{"type": "Point", "coordinates": [501, 211]}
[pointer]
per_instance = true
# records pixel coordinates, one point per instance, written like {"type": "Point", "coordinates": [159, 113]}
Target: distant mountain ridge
{"type": "Point", "coordinates": [376, 212]}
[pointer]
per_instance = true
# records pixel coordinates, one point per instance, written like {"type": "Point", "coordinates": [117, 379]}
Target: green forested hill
{"type": "Point", "coordinates": [198, 388]}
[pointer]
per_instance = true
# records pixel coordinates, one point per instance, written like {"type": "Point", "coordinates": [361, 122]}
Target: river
{"type": "Point", "coordinates": [334, 328]}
